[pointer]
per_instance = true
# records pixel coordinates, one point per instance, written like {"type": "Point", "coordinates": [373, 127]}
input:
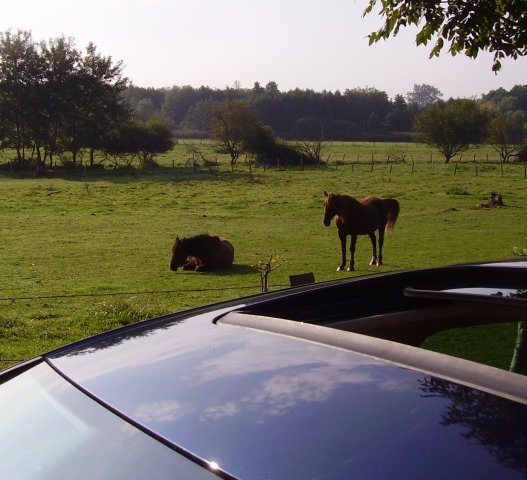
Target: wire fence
{"type": "Point", "coordinates": [414, 162]}
{"type": "Point", "coordinates": [472, 167]}
{"type": "Point", "coordinates": [8, 362]}
{"type": "Point", "coordinates": [141, 292]}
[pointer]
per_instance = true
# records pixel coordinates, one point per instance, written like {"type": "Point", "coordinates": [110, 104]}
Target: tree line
{"type": "Point", "coordinates": [59, 102]}
{"type": "Point", "coordinates": [498, 117]}
{"type": "Point", "coordinates": [359, 114]}
{"type": "Point", "coordinates": [355, 114]}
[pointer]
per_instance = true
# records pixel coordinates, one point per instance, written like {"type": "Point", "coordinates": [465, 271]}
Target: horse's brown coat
{"type": "Point", "coordinates": [202, 252]}
{"type": "Point", "coordinates": [364, 217]}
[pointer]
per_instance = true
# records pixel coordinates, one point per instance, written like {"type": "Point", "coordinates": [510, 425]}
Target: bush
{"type": "Point", "coordinates": [285, 154]}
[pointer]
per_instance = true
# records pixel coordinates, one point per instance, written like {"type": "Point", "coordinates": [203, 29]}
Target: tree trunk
{"type": "Point", "coordinates": [19, 153]}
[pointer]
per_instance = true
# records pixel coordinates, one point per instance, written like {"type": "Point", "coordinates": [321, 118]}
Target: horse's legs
{"type": "Point", "coordinates": [352, 253]}
{"type": "Point", "coordinates": [381, 243]}
{"type": "Point", "coordinates": [342, 237]}
{"type": "Point", "coordinates": [374, 260]}
{"type": "Point", "coordinates": [193, 264]}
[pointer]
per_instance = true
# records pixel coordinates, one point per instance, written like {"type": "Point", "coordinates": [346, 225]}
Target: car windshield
{"type": "Point", "coordinates": [55, 431]}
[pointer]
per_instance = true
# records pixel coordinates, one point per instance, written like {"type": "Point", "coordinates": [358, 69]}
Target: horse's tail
{"type": "Point", "coordinates": [392, 212]}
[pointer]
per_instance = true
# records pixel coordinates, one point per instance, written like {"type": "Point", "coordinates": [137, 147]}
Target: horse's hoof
{"type": "Point", "coordinates": [340, 269]}
{"type": "Point", "coordinates": [351, 269]}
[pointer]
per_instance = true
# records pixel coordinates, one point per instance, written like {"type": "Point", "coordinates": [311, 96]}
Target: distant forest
{"type": "Point", "coordinates": [357, 114]}
{"type": "Point", "coordinates": [58, 103]}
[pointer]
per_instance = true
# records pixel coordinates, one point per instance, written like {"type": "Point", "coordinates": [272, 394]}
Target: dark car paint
{"type": "Point", "coordinates": [51, 430]}
{"type": "Point", "coordinates": [262, 405]}
{"type": "Point", "coordinates": [267, 406]}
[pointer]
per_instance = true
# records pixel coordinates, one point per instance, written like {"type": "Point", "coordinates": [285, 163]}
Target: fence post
{"type": "Point", "coordinates": [455, 169]}
{"type": "Point", "coordinates": [413, 166]}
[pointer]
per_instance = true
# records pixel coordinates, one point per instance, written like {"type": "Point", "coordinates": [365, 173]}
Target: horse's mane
{"type": "Point", "coordinates": [198, 240]}
{"type": "Point", "coordinates": [199, 236]}
{"type": "Point", "coordinates": [343, 199]}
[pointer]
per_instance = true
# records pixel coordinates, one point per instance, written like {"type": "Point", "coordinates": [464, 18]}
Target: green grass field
{"type": "Point", "coordinates": [84, 252]}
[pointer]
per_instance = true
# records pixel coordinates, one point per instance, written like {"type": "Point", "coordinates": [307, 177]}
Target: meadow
{"type": "Point", "coordinates": [86, 251]}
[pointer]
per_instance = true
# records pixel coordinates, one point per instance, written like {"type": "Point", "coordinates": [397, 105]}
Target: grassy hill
{"type": "Point", "coordinates": [83, 252]}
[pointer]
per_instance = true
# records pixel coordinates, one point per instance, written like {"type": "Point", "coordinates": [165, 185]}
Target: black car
{"type": "Point", "coordinates": [325, 381]}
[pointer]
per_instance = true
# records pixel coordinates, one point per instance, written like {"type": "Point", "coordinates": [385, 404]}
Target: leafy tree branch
{"type": "Point", "coordinates": [468, 27]}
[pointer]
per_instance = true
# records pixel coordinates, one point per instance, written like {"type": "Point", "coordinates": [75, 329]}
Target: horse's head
{"type": "Point", "coordinates": [179, 255]}
{"type": "Point", "coordinates": [329, 208]}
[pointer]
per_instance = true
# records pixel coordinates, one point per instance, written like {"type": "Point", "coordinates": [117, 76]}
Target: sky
{"type": "Point", "coordinates": [306, 44]}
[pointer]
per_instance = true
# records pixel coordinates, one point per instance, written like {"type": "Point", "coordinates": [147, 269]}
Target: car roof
{"type": "Point", "coordinates": [291, 385]}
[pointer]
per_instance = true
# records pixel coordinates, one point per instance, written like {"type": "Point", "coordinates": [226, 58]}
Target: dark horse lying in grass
{"type": "Point", "coordinates": [202, 252]}
{"type": "Point", "coordinates": [363, 217]}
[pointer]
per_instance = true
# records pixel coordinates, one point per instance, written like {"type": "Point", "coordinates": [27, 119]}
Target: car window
{"type": "Point", "coordinates": [487, 344]}
{"type": "Point", "coordinates": [55, 431]}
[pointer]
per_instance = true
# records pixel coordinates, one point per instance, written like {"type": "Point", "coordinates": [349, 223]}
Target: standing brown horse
{"type": "Point", "coordinates": [360, 218]}
{"type": "Point", "coordinates": [202, 252]}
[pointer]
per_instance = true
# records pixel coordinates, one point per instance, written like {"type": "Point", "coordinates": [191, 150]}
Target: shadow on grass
{"type": "Point", "coordinates": [126, 174]}
{"type": "Point", "coordinates": [236, 269]}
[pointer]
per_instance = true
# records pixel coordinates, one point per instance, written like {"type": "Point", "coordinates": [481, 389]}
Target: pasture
{"type": "Point", "coordinates": [87, 252]}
